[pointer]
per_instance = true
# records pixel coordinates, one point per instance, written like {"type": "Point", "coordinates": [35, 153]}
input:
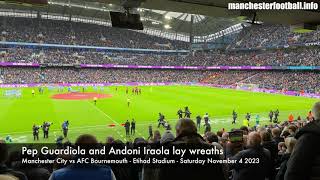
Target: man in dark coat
{"type": "Point", "coordinates": [270, 145]}
{"type": "Point", "coordinates": [186, 132]}
{"type": "Point", "coordinates": [180, 113]}
{"type": "Point", "coordinates": [304, 162]}
{"type": "Point", "coordinates": [127, 127]}
{"type": "Point", "coordinates": [259, 158]}
{"type": "Point", "coordinates": [290, 143]}
{"type": "Point", "coordinates": [4, 170]}
{"type": "Point", "coordinates": [276, 132]}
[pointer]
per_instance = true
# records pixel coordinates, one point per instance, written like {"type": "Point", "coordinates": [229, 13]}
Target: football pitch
{"type": "Point", "coordinates": [17, 115]}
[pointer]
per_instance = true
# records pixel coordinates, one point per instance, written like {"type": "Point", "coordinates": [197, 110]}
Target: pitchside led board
{"type": "Point", "coordinates": [126, 20]}
{"type": "Point", "coordinates": [34, 2]}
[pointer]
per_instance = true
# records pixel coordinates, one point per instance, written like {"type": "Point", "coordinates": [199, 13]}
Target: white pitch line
{"type": "Point", "coordinates": [118, 132]}
{"type": "Point", "coordinates": [103, 113]}
{"type": "Point", "coordinates": [125, 139]}
{"type": "Point", "coordinates": [213, 119]}
{"type": "Point", "coordinates": [76, 128]}
{"type": "Point", "coordinates": [220, 120]}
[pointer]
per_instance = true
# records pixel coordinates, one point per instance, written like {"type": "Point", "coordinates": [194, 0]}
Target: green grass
{"type": "Point", "coordinates": [302, 30]}
{"type": "Point", "coordinates": [18, 115]}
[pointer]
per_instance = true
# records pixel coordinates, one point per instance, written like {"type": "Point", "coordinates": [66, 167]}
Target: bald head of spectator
{"type": "Point", "coordinates": [316, 111]}
{"type": "Point", "coordinates": [225, 137]}
{"type": "Point", "coordinates": [186, 127]}
{"type": "Point", "coordinates": [254, 140]}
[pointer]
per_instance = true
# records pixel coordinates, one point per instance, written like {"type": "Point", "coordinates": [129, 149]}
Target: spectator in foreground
{"type": "Point", "coordinates": [187, 135]}
{"type": "Point", "coordinates": [259, 170]}
{"type": "Point", "coordinates": [109, 140]}
{"type": "Point", "coordinates": [32, 171]}
{"type": "Point", "coordinates": [167, 137]}
{"type": "Point", "coordinates": [281, 148]}
{"type": "Point", "coordinates": [5, 172]}
{"type": "Point", "coordinates": [304, 162]}
{"type": "Point", "coordinates": [276, 132]}
{"type": "Point", "coordinates": [156, 136]}
{"type": "Point", "coordinates": [270, 145]}
{"type": "Point", "coordinates": [84, 171]}
{"type": "Point", "coordinates": [290, 142]}
{"type": "Point", "coordinates": [153, 172]}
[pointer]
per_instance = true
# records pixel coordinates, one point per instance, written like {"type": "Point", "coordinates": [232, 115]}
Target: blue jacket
{"type": "Point", "coordinates": [83, 172]}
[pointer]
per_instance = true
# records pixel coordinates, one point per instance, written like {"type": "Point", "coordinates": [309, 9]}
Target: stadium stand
{"type": "Point", "coordinates": [297, 81]}
{"type": "Point", "coordinates": [56, 75]}
{"type": "Point", "coordinates": [272, 143]}
{"type": "Point", "coordinates": [62, 32]}
{"type": "Point", "coordinates": [290, 57]}
{"type": "Point", "coordinates": [272, 36]}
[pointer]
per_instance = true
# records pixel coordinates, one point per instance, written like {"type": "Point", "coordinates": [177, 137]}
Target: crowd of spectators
{"type": "Point", "coordinates": [279, 151]}
{"type": "Point", "coordinates": [306, 81]}
{"type": "Point", "coordinates": [280, 80]}
{"type": "Point", "coordinates": [228, 77]}
{"type": "Point", "coordinates": [75, 33]}
{"type": "Point", "coordinates": [18, 29]}
{"type": "Point", "coordinates": [76, 75]}
{"type": "Point", "coordinates": [272, 35]}
{"type": "Point", "coordinates": [291, 57]}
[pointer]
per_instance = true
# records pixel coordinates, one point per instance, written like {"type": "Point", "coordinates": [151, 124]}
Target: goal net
{"type": "Point", "coordinates": [13, 93]}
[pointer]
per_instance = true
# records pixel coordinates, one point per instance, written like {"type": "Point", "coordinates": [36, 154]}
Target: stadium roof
{"type": "Point", "coordinates": [168, 21]}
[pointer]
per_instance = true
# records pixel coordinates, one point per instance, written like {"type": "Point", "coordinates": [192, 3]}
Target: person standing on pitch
{"type": "Point", "coordinates": [150, 131]}
{"type": "Point", "coordinates": [45, 128]}
{"type": "Point", "coordinates": [180, 112]}
{"type": "Point", "coordinates": [257, 120]}
{"type": "Point", "coordinates": [35, 130]}
{"type": "Point", "coordinates": [207, 128]}
{"type": "Point", "coordinates": [206, 118]}
{"type": "Point", "coordinates": [271, 115]}
{"type": "Point", "coordinates": [133, 127]}
{"type": "Point", "coordinates": [65, 128]}
{"type": "Point", "coordinates": [234, 116]}
{"type": "Point", "coordinates": [161, 120]}
{"type": "Point", "coordinates": [198, 118]}
{"type": "Point", "coordinates": [276, 115]}
{"type": "Point", "coordinates": [95, 100]}
{"type": "Point", "coordinates": [248, 116]}
{"type": "Point", "coordinates": [187, 113]}
{"type": "Point", "coordinates": [127, 127]}
{"type": "Point", "coordinates": [128, 101]}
